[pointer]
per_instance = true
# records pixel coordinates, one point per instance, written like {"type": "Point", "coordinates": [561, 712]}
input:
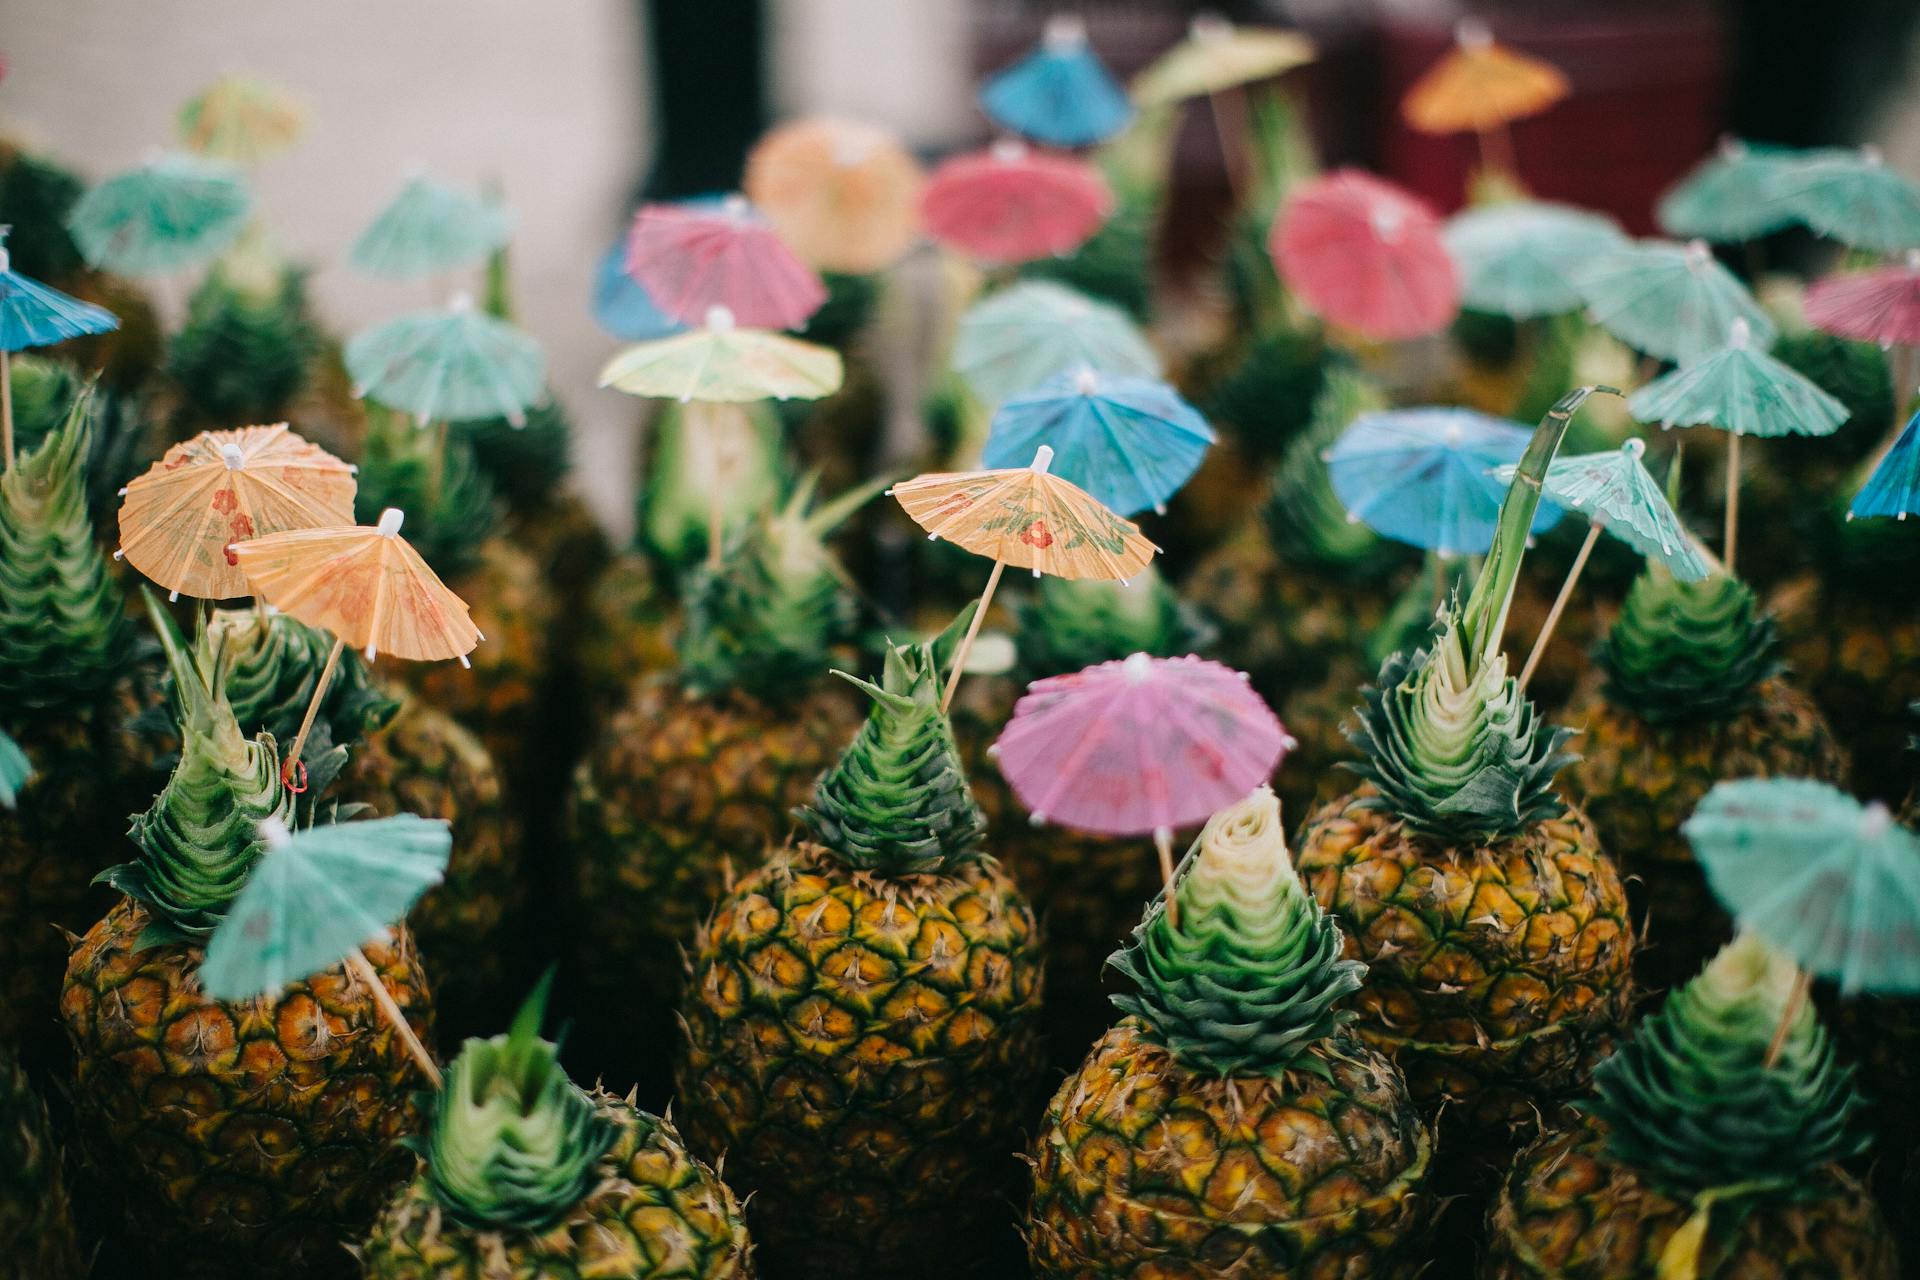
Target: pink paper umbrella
{"type": "Point", "coordinates": [1367, 256]}
{"type": "Point", "coordinates": [1881, 305]}
{"type": "Point", "coordinates": [1140, 745]}
{"type": "Point", "coordinates": [691, 259]}
{"type": "Point", "coordinates": [1009, 204]}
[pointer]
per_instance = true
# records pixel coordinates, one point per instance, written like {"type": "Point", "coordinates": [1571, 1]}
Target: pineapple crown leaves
{"type": "Point", "coordinates": [766, 618]}
{"type": "Point", "coordinates": [44, 390]}
{"type": "Point", "coordinates": [513, 1143]}
{"type": "Point", "coordinates": [1068, 624]}
{"type": "Point", "coordinates": [270, 665]}
{"type": "Point", "coordinates": [897, 801]}
{"type": "Point", "coordinates": [64, 634]}
{"type": "Point", "coordinates": [247, 344]}
{"type": "Point", "coordinates": [451, 507]}
{"type": "Point", "coordinates": [526, 464]}
{"type": "Point", "coordinates": [1690, 1102]}
{"type": "Point", "coordinates": [1309, 525]}
{"type": "Point", "coordinates": [1688, 652]}
{"type": "Point", "coordinates": [1249, 981]}
{"type": "Point", "coordinates": [200, 838]}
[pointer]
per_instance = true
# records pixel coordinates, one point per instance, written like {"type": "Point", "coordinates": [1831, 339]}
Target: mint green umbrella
{"type": "Point", "coordinates": [1853, 197]}
{"type": "Point", "coordinates": [1016, 338]}
{"type": "Point", "coordinates": [15, 771]}
{"type": "Point", "coordinates": [1732, 195]}
{"type": "Point", "coordinates": [428, 228]}
{"type": "Point", "coordinates": [1517, 259]}
{"type": "Point", "coordinates": [455, 364]}
{"type": "Point", "coordinates": [173, 212]}
{"type": "Point", "coordinates": [1669, 300]}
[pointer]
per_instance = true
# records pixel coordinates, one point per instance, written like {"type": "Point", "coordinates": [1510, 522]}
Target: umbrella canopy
{"type": "Point", "coordinates": [1217, 56]}
{"type": "Point", "coordinates": [1881, 305]}
{"type": "Point", "coordinates": [1130, 442]}
{"type": "Point", "coordinates": [691, 258]}
{"type": "Point", "coordinates": [366, 585]}
{"type": "Point", "coordinates": [1894, 487]}
{"type": "Point", "coordinates": [621, 307]}
{"type": "Point", "coordinates": [1614, 490]}
{"type": "Point", "coordinates": [37, 315]}
{"type": "Point", "coordinates": [1518, 258]}
{"type": "Point", "coordinates": [1061, 94]}
{"type": "Point", "coordinates": [1366, 255]}
{"type": "Point", "coordinates": [180, 520]}
{"type": "Point", "coordinates": [722, 362]}
{"type": "Point", "coordinates": [1732, 195]}
{"type": "Point", "coordinates": [1426, 476]}
{"type": "Point", "coordinates": [1480, 84]}
{"type": "Point", "coordinates": [1854, 198]}
{"type": "Point", "coordinates": [1027, 518]}
{"type": "Point", "coordinates": [1018, 337]}
{"type": "Point", "coordinates": [844, 194]}
{"type": "Point", "coordinates": [1008, 204]}
{"type": "Point", "coordinates": [313, 897]}
{"type": "Point", "coordinates": [451, 365]}
{"type": "Point", "coordinates": [1831, 882]}
{"type": "Point", "coordinates": [1669, 300]}
{"type": "Point", "coordinates": [1739, 389]}
{"type": "Point", "coordinates": [171, 213]}
{"type": "Point", "coordinates": [429, 228]}
{"type": "Point", "coordinates": [242, 119]}
{"type": "Point", "coordinates": [16, 771]}
{"type": "Point", "coordinates": [1139, 745]}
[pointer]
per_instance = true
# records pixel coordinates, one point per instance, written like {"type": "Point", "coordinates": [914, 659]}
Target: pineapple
{"type": "Point", "coordinates": [862, 1021]}
{"type": "Point", "coordinates": [1231, 1126]}
{"type": "Point", "coordinates": [121, 444]}
{"type": "Point", "coordinates": [1692, 692]}
{"type": "Point", "coordinates": [1495, 928]}
{"type": "Point", "coordinates": [246, 348]}
{"type": "Point", "coordinates": [1697, 1159]}
{"type": "Point", "coordinates": [37, 1240]}
{"type": "Point", "coordinates": [523, 1174]}
{"type": "Point", "coordinates": [234, 1139]}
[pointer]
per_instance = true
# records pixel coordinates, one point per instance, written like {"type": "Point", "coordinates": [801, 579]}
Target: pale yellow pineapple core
{"type": "Point", "coordinates": [1747, 972]}
{"type": "Point", "coordinates": [1241, 865]}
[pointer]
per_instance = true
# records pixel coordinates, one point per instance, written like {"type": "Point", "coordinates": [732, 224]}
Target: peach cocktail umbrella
{"type": "Point", "coordinates": [180, 521]}
{"type": "Point", "coordinates": [693, 258]}
{"type": "Point", "coordinates": [1480, 87]}
{"type": "Point", "coordinates": [367, 586]}
{"type": "Point", "coordinates": [1025, 517]}
{"type": "Point", "coordinates": [844, 194]}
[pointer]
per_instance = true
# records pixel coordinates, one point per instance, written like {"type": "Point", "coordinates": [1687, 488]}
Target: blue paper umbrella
{"type": "Point", "coordinates": [1733, 194]}
{"type": "Point", "coordinates": [621, 307]}
{"type": "Point", "coordinates": [1130, 442]}
{"type": "Point", "coordinates": [35, 315]}
{"type": "Point", "coordinates": [1669, 300]}
{"type": "Point", "coordinates": [1894, 487]}
{"type": "Point", "coordinates": [1614, 490]}
{"type": "Point", "coordinates": [173, 212]}
{"type": "Point", "coordinates": [451, 365]}
{"type": "Point", "coordinates": [1517, 259]}
{"type": "Point", "coordinates": [1426, 476]}
{"type": "Point", "coordinates": [1018, 337]}
{"type": "Point", "coordinates": [15, 771]}
{"type": "Point", "coordinates": [1059, 94]}
{"type": "Point", "coordinates": [1855, 198]}
{"type": "Point", "coordinates": [428, 228]}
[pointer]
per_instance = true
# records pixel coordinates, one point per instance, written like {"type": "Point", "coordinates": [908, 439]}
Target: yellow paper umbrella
{"type": "Point", "coordinates": [180, 520]}
{"type": "Point", "coordinates": [243, 119]}
{"type": "Point", "coordinates": [845, 195]}
{"type": "Point", "coordinates": [1217, 56]}
{"type": "Point", "coordinates": [1028, 518]}
{"type": "Point", "coordinates": [367, 586]}
{"type": "Point", "coordinates": [1479, 87]}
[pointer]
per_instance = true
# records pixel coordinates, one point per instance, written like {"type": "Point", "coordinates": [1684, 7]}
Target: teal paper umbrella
{"type": "Point", "coordinates": [1894, 487]}
{"type": "Point", "coordinates": [1732, 195]}
{"type": "Point", "coordinates": [1018, 337]}
{"type": "Point", "coordinates": [1669, 300]}
{"type": "Point", "coordinates": [1060, 94]}
{"type": "Point", "coordinates": [173, 212]}
{"type": "Point", "coordinates": [1853, 197]}
{"type": "Point", "coordinates": [1517, 259]}
{"type": "Point", "coordinates": [16, 771]}
{"type": "Point", "coordinates": [428, 228]}
{"type": "Point", "coordinates": [35, 315]}
{"type": "Point", "coordinates": [451, 365]}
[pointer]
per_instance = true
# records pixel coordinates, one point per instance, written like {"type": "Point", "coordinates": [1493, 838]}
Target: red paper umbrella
{"type": "Point", "coordinates": [693, 259]}
{"type": "Point", "coordinates": [1367, 256]}
{"type": "Point", "coordinates": [1881, 305]}
{"type": "Point", "coordinates": [1009, 205]}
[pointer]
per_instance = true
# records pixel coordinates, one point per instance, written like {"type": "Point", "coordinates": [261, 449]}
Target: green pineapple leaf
{"type": "Point", "coordinates": [248, 342]}
{"type": "Point", "coordinates": [269, 667]}
{"type": "Point", "coordinates": [121, 444]}
{"type": "Point", "coordinates": [1688, 652]}
{"type": "Point", "coordinates": [1067, 624]}
{"type": "Point", "coordinates": [1250, 980]}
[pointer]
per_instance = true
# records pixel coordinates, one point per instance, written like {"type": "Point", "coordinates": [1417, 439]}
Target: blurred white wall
{"type": "Point", "coordinates": [904, 63]}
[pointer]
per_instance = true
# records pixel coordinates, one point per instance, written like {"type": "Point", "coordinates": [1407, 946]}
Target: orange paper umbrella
{"type": "Point", "coordinates": [368, 587]}
{"type": "Point", "coordinates": [844, 194]}
{"type": "Point", "coordinates": [1480, 86]}
{"type": "Point", "coordinates": [180, 520]}
{"type": "Point", "coordinates": [1028, 518]}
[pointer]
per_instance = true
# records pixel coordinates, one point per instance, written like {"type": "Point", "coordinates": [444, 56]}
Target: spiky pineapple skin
{"type": "Point", "coordinates": [657, 1213]}
{"type": "Point", "coordinates": [1497, 975]}
{"type": "Point", "coordinates": [37, 1240]}
{"type": "Point", "coordinates": [862, 1051]}
{"type": "Point", "coordinates": [1567, 1211]}
{"type": "Point", "coordinates": [1143, 1168]}
{"type": "Point", "coordinates": [238, 1139]}
{"type": "Point", "coordinates": [1638, 782]}
{"type": "Point", "coordinates": [680, 794]}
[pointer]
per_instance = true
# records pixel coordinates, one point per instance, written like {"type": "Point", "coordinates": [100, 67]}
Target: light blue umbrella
{"type": "Point", "coordinates": [1855, 198]}
{"type": "Point", "coordinates": [1669, 300]}
{"type": "Point", "coordinates": [1018, 337]}
{"type": "Point", "coordinates": [1426, 476]}
{"type": "Point", "coordinates": [173, 212]}
{"type": "Point", "coordinates": [1732, 195]}
{"type": "Point", "coordinates": [16, 771]}
{"type": "Point", "coordinates": [428, 228]}
{"type": "Point", "coordinates": [1517, 259]}
{"type": "Point", "coordinates": [35, 315]}
{"type": "Point", "coordinates": [1894, 487]}
{"type": "Point", "coordinates": [1130, 442]}
{"type": "Point", "coordinates": [1060, 94]}
{"type": "Point", "coordinates": [449, 365]}
{"type": "Point", "coordinates": [621, 307]}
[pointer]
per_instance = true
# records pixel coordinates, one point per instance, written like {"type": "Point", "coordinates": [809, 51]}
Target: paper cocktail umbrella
{"type": "Point", "coordinates": [1140, 745]}
{"type": "Point", "coordinates": [1517, 259]}
{"type": "Point", "coordinates": [180, 520]}
{"type": "Point", "coordinates": [16, 771]}
{"type": "Point", "coordinates": [1669, 300]}
{"type": "Point", "coordinates": [621, 307]}
{"type": "Point", "coordinates": [1020, 336]}
{"type": "Point", "coordinates": [36, 315]}
{"type": "Point", "coordinates": [1853, 197]}
{"type": "Point", "coordinates": [1881, 305]}
{"type": "Point", "coordinates": [1027, 518]}
{"type": "Point", "coordinates": [1060, 94]}
{"type": "Point", "coordinates": [1008, 205]}
{"type": "Point", "coordinates": [1366, 256]}
{"type": "Point", "coordinates": [453, 364]}
{"type": "Point", "coordinates": [1893, 489]}
{"type": "Point", "coordinates": [844, 194]}
{"type": "Point", "coordinates": [314, 898]}
{"type": "Point", "coordinates": [1130, 442]}
{"type": "Point", "coordinates": [691, 258]}
{"type": "Point", "coordinates": [1217, 56]}
{"type": "Point", "coordinates": [173, 212]}
{"type": "Point", "coordinates": [430, 227]}
{"type": "Point", "coordinates": [1481, 87]}
{"type": "Point", "coordinates": [1732, 195]}
{"type": "Point", "coordinates": [242, 119]}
